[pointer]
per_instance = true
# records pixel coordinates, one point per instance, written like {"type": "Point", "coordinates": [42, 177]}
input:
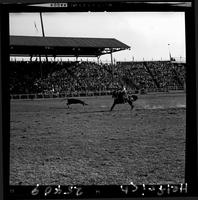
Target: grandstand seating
{"type": "Point", "coordinates": [86, 78]}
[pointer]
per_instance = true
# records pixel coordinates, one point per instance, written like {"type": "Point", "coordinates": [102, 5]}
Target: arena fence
{"type": "Point", "coordinates": [60, 95]}
{"type": "Point", "coordinates": [90, 93]}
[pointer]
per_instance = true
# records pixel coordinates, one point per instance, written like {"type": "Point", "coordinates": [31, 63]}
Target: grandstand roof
{"type": "Point", "coordinates": [64, 46]}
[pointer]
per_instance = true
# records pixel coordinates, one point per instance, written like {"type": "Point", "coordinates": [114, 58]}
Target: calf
{"type": "Point", "coordinates": [75, 101]}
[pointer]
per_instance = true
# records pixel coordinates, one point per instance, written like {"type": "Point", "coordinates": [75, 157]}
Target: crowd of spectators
{"type": "Point", "coordinates": [33, 77]}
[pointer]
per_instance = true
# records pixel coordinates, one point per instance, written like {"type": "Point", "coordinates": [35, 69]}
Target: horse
{"type": "Point", "coordinates": [121, 98]}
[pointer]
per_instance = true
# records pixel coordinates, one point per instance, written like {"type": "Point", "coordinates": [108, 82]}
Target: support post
{"type": "Point", "coordinates": [98, 59]}
{"type": "Point", "coordinates": [111, 57]}
{"type": "Point", "coordinates": [41, 67]}
{"type": "Point", "coordinates": [112, 66]}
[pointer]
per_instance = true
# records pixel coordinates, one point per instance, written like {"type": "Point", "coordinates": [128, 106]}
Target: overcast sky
{"type": "Point", "coordinates": [147, 33]}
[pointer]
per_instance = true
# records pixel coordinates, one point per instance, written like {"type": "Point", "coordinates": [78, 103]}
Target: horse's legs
{"type": "Point", "coordinates": [113, 106]}
{"type": "Point", "coordinates": [131, 104]}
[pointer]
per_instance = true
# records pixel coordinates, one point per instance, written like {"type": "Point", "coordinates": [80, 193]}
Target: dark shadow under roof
{"type": "Point", "coordinates": [67, 46]}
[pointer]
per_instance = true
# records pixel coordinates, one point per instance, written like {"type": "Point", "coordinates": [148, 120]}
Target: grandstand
{"type": "Point", "coordinates": [40, 79]}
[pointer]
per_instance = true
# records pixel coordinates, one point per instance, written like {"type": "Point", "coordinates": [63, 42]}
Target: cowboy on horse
{"type": "Point", "coordinates": [122, 96]}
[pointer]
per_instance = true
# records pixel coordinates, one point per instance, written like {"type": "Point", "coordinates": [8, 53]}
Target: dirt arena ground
{"type": "Point", "coordinates": [51, 144]}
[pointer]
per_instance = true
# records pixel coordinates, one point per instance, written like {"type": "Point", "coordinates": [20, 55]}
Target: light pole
{"type": "Point", "coordinates": [169, 51]}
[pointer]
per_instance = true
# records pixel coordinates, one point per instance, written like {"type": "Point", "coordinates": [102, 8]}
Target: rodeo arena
{"type": "Point", "coordinates": [91, 122]}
